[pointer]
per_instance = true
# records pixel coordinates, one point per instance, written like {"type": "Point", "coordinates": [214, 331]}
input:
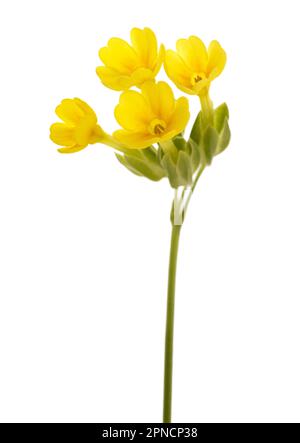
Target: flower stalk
{"type": "Point", "coordinates": [179, 211]}
{"type": "Point", "coordinates": [168, 373]}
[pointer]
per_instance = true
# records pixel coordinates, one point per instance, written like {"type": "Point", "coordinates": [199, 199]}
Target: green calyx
{"type": "Point", "coordinates": [211, 138]}
{"type": "Point", "coordinates": [143, 162]}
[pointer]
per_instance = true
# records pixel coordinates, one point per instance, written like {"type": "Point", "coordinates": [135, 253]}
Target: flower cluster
{"type": "Point", "coordinates": [150, 141]}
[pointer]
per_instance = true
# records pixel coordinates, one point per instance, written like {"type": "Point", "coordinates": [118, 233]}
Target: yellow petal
{"type": "Point", "coordinates": [159, 61]}
{"type": "Point", "coordinates": [150, 93]}
{"type": "Point", "coordinates": [177, 70]}
{"type": "Point", "coordinates": [87, 110]}
{"type": "Point", "coordinates": [216, 59]}
{"type": "Point", "coordinates": [141, 75]}
{"type": "Point", "coordinates": [168, 135]}
{"type": "Point", "coordinates": [193, 52]}
{"type": "Point", "coordinates": [145, 44]}
{"type": "Point", "coordinates": [185, 51]}
{"type": "Point", "coordinates": [160, 98]}
{"type": "Point", "coordinates": [135, 140]}
{"type": "Point", "coordinates": [71, 150]}
{"type": "Point", "coordinates": [84, 131]}
{"type": "Point", "coordinates": [119, 55]}
{"type": "Point", "coordinates": [180, 116]}
{"type": "Point", "coordinates": [113, 79]}
{"type": "Point", "coordinates": [167, 101]}
{"type": "Point", "coordinates": [62, 134]}
{"type": "Point", "coordinates": [69, 111]}
{"type": "Point", "coordinates": [132, 112]}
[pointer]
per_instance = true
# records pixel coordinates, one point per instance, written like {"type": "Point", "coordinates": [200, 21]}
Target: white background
{"type": "Point", "coordinates": [84, 244]}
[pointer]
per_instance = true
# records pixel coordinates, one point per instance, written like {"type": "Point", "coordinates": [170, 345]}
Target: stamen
{"type": "Point", "coordinates": [197, 78]}
{"type": "Point", "coordinates": [159, 129]}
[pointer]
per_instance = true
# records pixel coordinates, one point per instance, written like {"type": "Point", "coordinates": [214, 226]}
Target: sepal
{"type": "Point", "coordinates": [209, 144]}
{"type": "Point", "coordinates": [221, 117]}
{"type": "Point", "coordinates": [184, 169]}
{"type": "Point", "coordinates": [143, 162]}
{"type": "Point", "coordinates": [178, 163]}
{"type": "Point", "coordinates": [179, 142]}
{"type": "Point", "coordinates": [170, 167]}
{"type": "Point", "coordinates": [196, 130]}
{"type": "Point", "coordinates": [208, 140]}
{"type": "Point", "coordinates": [221, 114]}
{"type": "Point", "coordinates": [224, 138]}
{"type": "Point", "coordinates": [195, 154]}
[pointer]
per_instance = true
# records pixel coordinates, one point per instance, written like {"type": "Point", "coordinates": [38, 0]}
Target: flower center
{"type": "Point", "coordinates": [197, 78]}
{"type": "Point", "coordinates": [157, 127]}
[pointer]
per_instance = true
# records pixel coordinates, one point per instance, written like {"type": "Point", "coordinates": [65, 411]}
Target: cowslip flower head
{"type": "Point", "coordinates": [79, 127]}
{"type": "Point", "coordinates": [128, 65]}
{"type": "Point", "coordinates": [193, 66]}
{"type": "Point", "coordinates": [150, 116]}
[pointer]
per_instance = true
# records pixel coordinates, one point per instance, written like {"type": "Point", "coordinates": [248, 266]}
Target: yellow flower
{"type": "Point", "coordinates": [150, 116]}
{"type": "Point", "coordinates": [130, 65]}
{"type": "Point", "coordinates": [193, 67]}
{"type": "Point", "coordinates": [79, 127]}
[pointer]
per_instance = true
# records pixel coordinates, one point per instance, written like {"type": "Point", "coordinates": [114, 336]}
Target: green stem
{"type": "Point", "coordinates": [170, 325]}
{"type": "Point", "coordinates": [207, 110]}
{"type": "Point", "coordinates": [192, 189]}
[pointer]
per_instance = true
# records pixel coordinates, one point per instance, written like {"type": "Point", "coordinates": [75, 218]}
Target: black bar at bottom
{"type": "Point", "coordinates": [87, 432]}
